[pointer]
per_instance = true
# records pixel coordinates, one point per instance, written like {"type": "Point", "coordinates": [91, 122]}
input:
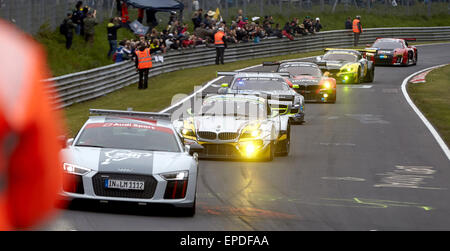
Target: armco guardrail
{"type": "Point", "coordinates": [82, 86]}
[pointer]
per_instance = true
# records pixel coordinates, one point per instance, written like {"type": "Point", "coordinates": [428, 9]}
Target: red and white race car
{"type": "Point", "coordinates": [394, 51]}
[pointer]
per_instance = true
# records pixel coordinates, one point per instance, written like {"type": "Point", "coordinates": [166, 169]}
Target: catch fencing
{"type": "Point", "coordinates": [86, 85]}
{"type": "Point", "coordinates": [30, 15]}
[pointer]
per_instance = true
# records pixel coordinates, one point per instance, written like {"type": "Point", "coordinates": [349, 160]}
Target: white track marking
{"type": "Point", "coordinates": [430, 127]}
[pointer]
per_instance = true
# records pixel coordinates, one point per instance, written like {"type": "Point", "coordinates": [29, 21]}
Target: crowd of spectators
{"type": "Point", "coordinates": [177, 35]}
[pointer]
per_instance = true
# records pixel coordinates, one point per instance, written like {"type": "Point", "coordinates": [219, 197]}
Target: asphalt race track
{"type": "Point", "coordinates": [365, 163]}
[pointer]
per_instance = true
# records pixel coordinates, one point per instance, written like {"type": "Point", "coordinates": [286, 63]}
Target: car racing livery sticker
{"type": "Point", "coordinates": [126, 161]}
{"type": "Point", "coordinates": [130, 125]}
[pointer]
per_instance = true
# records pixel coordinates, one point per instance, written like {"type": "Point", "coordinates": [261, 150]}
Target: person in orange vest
{"type": "Point", "coordinates": [143, 64]}
{"type": "Point", "coordinates": [221, 44]}
{"type": "Point", "coordinates": [357, 30]}
{"type": "Point", "coordinates": [31, 171]}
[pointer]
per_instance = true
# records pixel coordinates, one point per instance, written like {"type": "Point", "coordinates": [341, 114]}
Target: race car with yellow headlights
{"type": "Point", "coordinates": [283, 97]}
{"type": "Point", "coordinates": [132, 157]}
{"type": "Point", "coordinates": [313, 85]}
{"type": "Point", "coordinates": [394, 51]}
{"type": "Point", "coordinates": [236, 126]}
{"type": "Point", "coordinates": [347, 66]}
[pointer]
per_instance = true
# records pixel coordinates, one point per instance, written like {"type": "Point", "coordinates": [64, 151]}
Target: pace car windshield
{"type": "Point", "coordinates": [298, 70]}
{"type": "Point", "coordinates": [260, 84]}
{"type": "Point", "coordinates": [128, 136]}
{"type": "Point", "coordinates": [346, 57]}
{"type": "Point", "coordinates": [236, 108]}
{"type": "Point", "coordinates": [387, 45]}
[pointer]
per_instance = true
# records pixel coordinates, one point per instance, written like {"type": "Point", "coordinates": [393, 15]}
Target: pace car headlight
{"type": "Point", "coordinates": [74, 169]}
{"type": "Point", "coordinates": [182, 175]}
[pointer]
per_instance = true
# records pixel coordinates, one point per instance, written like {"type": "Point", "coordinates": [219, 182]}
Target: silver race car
{"type": "Point", "coordinates": [236, 126]}
{"type": "Point", "coordinates": [132, 157]}
{"type": "Point", "coordinates": [275, 85]}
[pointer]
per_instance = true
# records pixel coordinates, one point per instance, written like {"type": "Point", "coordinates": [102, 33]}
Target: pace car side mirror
{"type": "Point", "coordinates": [69, 142]}
{"type": "Point", "coordinates": [318, 58]}
{"type": "Point", "coordinates": [195, 148]}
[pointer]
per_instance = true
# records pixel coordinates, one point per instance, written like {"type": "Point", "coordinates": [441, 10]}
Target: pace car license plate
{"type": "Point", "coordinates": [125, 184]}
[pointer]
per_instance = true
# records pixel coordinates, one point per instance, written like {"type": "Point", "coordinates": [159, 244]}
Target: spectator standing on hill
{"type": "Point", "coordinates": [357, 30]}
{"type": "Point", "coordinates": [317, 25]}
{"type": "Point", "coordinates": [143, 64]}
{"type": "Point", "coordinates": [68, 28]}
{"type": "Point", "coordinates": [78, 16]}
{"type": "Point", "coordinates": [113, 26]}
{"type": "Point", "coordinates": [122, 53]}
{"type": "Point", "coordinates": [348, 23]}
{"type": "Point", "coordinates": [89, 27]}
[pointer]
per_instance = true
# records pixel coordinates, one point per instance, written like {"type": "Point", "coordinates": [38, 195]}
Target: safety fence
{"type": "Point", "coordinates": [86, 85]}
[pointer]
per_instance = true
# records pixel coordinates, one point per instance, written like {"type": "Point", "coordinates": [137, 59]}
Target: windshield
{"type": "Point", "coordinates": [297, 70]}
{"type": "Point", "coordinates": [346, 57]}
{"type": "Point", "coordinates": [130, 136]}
{"type": "Point", "coordinates": [260, 84]}
{"type": "Point", "coordinates": [387, 45]}
{"type": "Point", "coordinates": [244, 108]}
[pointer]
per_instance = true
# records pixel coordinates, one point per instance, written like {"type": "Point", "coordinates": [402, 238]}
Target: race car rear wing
{"type": "Point", "coordinates": [151, 115]}
{"type": "Point", "coordinates": [406, 39]}
{"type": "Point", "coordinates": [290, 98]}
{"type": "Point", "coordinates": [370, 50]}
{"type": "Point", "coordinates": [234, 73]}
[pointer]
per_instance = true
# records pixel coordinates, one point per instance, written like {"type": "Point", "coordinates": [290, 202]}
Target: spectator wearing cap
{"type": "Point", "coordinates": [112, 27]}
{"type": "Point", "coordinates": [69, 28]}
{"type": "Point", "coordinates": [317, 25]}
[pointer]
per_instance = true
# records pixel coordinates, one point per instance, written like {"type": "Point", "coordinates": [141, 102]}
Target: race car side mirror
{"type": "Point", "coordinates": [224, 85]}
{"type": "Point", "coordinates": [318, 58]}
{"type": "Point", "coordinates": [189, 111]}
{"type": "Point", "coordinates": [275, 113]}
{"type": "Point", "coordinates": [69, 142]}
{"type": "Point", "coordinates": [296, 86]}
{"type": "Point", "coordinates": [195, 148]}
{"type": "Point", "coordinates": [222, 90]}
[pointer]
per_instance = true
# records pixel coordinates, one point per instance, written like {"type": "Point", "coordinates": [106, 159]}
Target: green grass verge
{"type": "Point", "coordinates": [432, 98]}
{"type": "Point", "coordinates": [161, 90]}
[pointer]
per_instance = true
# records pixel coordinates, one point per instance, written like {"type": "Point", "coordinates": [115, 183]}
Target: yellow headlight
{"type": "Point", "coordinates": [250, 149]}
{"type": "Point", "coordinates": [327, 85]}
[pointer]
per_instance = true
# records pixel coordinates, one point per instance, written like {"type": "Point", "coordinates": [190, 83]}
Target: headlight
{"type": "Point", "coordinates": [351, 68]}
{"type": "Point", "coordinates": [183, 175]}
{"type": "Point", "coordinates": [327, 85]}
{"type": "Point", "coordinates": [188, 132]}
{"type": "Point", "coordinates": [251, 134]}
{"type": "Point", "coordinates": [74, 169]}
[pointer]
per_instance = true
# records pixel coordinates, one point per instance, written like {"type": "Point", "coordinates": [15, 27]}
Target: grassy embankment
{"type": "Point", "coordinates": [82, 57]}
{"type": "Point", "coordinates": [432, 98]}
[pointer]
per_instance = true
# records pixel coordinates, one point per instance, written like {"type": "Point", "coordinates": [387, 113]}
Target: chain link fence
{"type": "Point", "coordinates": [30, 15]}
{"type": "Point", "coordinates": [288, 7]}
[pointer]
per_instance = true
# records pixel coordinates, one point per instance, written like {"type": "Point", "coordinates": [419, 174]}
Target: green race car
{"type": "Point", "coordinates": [347, 66]}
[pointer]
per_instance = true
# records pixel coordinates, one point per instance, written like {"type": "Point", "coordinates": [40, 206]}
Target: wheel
{"type": "Point", "coordinates": [270, 153]}
{"type": "Point", "coordinates": [370, 75]}
{"type": "Point", "coordinates": [189, 211]}
{"type": "Point", "coordinates": [358, 80]}
{"type": "Point", "coordinates": [285, 145]}
{"type": "Point", "coordinates": [416, 58]}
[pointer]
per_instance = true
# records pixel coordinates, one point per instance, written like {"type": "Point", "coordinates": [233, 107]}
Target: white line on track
{"type": "Point", "coordinates": [430, 127]}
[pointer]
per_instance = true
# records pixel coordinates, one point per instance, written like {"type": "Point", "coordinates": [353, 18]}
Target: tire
{"type": "Point", "coordinates": [358, 80]}
{"type": "Point", "coordinates": [270, 153]}
{"type": "Point", "coordinates": [189, 211]}
{"type": "Point", "coordinates": [285, 145]}
{"type": "Point", "coordinates": [370, 75]}
{"type": "Point", "coordinates": [416, 58]}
